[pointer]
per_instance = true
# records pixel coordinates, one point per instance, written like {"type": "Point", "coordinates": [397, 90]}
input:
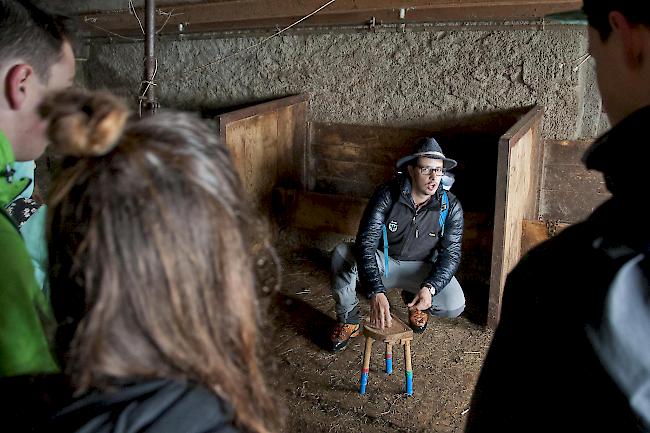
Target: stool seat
{"type": "Point", "coordinates": [399, 332]}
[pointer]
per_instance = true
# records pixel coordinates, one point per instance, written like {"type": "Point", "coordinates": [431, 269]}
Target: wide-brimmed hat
{"type": "Point", "coordinates": [428, 147]}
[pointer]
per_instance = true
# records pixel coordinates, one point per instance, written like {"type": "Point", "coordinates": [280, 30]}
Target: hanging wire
{"type": "Point", "coordinates": [169, 15]}
{"type": "Point", "coordinates": [582, 60]}
{"type": "Point", "coordinates": [91, 22]}
{"type": "Point", "coordinates": [132, 10]}
{"type": "Point", "coordinates": [279, 32]}
{"type": "Point", "coordinates": [150, 82]}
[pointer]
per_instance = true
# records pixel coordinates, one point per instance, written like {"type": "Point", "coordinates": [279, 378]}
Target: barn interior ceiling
{"type": "Point", "coordinates": [103, 18]}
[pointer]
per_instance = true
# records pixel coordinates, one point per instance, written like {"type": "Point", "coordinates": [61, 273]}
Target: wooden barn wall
{"type": "Point", "coordinates": [354, 159]}
{"type": "Point", "coordinates": [569, 191]}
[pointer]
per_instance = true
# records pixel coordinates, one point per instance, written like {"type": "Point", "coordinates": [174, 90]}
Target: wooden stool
{"type": "Point", "coordinates": [400, 333]}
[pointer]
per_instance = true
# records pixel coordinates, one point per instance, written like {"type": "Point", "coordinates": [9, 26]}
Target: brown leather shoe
{"type": "Point", "coordinates": [341, 334]}
{"type": "Point", "coordinates": [418, 320]}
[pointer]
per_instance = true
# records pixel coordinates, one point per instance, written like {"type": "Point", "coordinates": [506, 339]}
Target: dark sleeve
{"type": "Point", "coordinates": [507, 377]}
{"type": "Point", "coordinates": [368, 237]}
{"type": "Point", "coordinates": [448, 249]}
{"type": "Point", "coordinates": [27, 403]}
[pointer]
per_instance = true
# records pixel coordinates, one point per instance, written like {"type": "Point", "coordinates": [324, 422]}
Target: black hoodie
{"type": "Point", "coordinates": [153, 406]}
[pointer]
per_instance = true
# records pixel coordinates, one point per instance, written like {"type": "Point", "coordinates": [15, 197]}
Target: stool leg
{"type": "Point", "coordinates": [389, 358]}
{"type": "Point", "coordinates": [409, 368]}
{"type": "Point", "coordinates": [366, 365]}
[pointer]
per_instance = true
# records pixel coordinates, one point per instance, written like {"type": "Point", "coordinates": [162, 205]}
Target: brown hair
{"type": "Point", "coordinates": [150, 273]}
{"type": "Point", "coordinates": [32, 34]}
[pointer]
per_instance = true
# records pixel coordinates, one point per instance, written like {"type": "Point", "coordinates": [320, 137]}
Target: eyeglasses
{"type": "Point", "coordinates": [438, 171]}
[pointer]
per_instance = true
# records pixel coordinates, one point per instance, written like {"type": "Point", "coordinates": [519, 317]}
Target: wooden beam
{"type": "Point", "coordinates": [262, 108]}
{"type": "Point", "coordinates": [258, 14]}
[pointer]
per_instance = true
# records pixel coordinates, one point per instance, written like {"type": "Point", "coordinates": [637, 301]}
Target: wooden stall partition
{"type": "Point", "coordinates": [268, 146]}
{"type": "Point", "coordinates": [569, 191]}
{"type": "Point", "coordinates": [519, 168]}
{"type": "Point", "coordinates": [355, 159]}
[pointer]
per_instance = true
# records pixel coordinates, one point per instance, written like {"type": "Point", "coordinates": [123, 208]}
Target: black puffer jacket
{"type": "Point", "coordinates": [411, 235]}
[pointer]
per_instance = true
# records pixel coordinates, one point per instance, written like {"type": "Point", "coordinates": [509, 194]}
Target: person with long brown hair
{"type": "Point", "coordinates": [151, 279]}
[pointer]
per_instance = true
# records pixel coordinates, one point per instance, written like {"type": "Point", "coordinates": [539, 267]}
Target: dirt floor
{"type": "Point", "coordinates": [320, 389]}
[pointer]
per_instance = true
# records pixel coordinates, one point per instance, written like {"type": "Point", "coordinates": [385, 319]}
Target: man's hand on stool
{"type": "Point", "coordinates": [380, 312]}
{"type": "Point", "coordinates": [422, 300]}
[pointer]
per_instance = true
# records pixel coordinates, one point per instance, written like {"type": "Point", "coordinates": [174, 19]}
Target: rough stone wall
{"type": "Point", "coordinates": [414, 79]}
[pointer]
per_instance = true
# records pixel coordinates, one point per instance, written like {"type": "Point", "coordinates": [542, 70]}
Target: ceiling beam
{"type": "Point", "coordinates": [257, 14]}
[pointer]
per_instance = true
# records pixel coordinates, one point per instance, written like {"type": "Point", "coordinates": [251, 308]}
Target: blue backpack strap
{"type": "Point", "coordinates": [383, 229]}
{"type": "Point", "coordinates": [444, 210]}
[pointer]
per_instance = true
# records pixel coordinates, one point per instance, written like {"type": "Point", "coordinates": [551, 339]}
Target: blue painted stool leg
{"type": "Point", "coordinates": [409, 383]}
{"type": "Point", "coordinates": [408, 367]}
{"type": "Point", "coordinates": [389, 358]}
{"type": "Point", "coordinates": [366, 365]}
{"type": "Point", "coordinates": [364, 381]}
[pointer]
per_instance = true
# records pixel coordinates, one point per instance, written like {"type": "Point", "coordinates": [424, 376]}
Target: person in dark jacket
{"type": "Point", "coordinates": [410, 238]}
{"type": "Point", "coordinates": [151, 279]}
{"type": "Point", "coordinates": [548, 368]}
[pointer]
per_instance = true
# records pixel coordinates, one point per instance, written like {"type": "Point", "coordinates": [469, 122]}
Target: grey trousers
{"type": "Point", "coordinates": [450, 302]}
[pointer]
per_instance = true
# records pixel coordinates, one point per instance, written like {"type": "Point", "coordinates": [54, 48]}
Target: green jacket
{"type": "Point", "coordinates": [25, 313]}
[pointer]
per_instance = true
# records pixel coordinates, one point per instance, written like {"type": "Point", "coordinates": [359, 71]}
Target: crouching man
{"type": "Point", "coordinates": [409, 238]}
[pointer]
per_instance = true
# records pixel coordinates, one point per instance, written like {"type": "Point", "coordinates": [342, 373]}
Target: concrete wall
{"type": "Point", "coordinates": [414, 79]}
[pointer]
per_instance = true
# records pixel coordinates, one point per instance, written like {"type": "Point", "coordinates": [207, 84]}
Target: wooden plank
{"type": "Point", "coordinates": [341, 214]}
{"type": "Point", "coordinates": [397, 332]}
{"type": "Point", "coordinates": [253, 145]}
{"type": "Point", "coordinates": [523, 125]}
{"type": "Point", "coordinates": [576, 177]}
{"type": "Point", "coordinates": [571, 205]}
{"type": "Point", "coordinates": [356, 171]}
{"type": "Point", "coordinates": [286, 127]}
{"type": "Point", "coordinates": [569, 192]}
{"type": "Point", "coordinates": [320, 212]}
{"type": "Point", "coordinates": [499, 237]}
{"type": "Point", "coordinates": [364, 136]}
{"type": "Point", "coordinates": [328, 185]}
{"type": "Point", "coordinates": [353, 152]}
{"type": "Point", "coordinates": [300, 145]}
{"type": "Point", "coordinates": [519, 185]}
{"type": "Point", "coordinates": [536, 167]}
{"type": "Point", "coordinates": [228, 15]}
{"type": "Point", "coordinates": [262, 158]}
{"type": "Point", "coordinates": [234, 135]}
{"type": "Point", "coordinates": [565, 151]}
{"type": "Point", "coordinates": [263, 107]}
{"type": "Point", "coordinates": [518, 167]}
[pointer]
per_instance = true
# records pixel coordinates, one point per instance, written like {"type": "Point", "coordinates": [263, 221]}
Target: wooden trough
{"type": "Point", "coordinates": [319, 176]}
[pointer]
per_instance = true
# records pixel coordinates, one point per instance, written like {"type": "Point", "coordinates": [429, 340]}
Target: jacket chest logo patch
{"type": "Point", "coordinates": [392, 226]}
